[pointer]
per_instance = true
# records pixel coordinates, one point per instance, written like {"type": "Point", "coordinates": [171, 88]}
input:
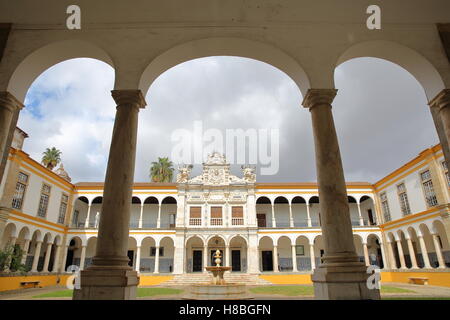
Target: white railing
{"type": "Point", "coordinates": [195, 221]}
{"type": "Point", "coordinates": [216, 221]}
{"type": "Point", "coordinates": [237, 221]}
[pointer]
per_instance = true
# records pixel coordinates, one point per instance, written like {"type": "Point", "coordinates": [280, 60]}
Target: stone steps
{"type": "Point", "coordinates": [198, 278]}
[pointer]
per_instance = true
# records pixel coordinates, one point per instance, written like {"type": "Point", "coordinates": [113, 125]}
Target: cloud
{"type": "Point", "coordinates": [380, 113]}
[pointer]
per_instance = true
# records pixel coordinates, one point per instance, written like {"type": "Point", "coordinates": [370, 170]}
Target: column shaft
{"type": "Point", "coordinates": [205, 257]}
{"type": "Point", "coordinates": [392, 256]}
{"type": "Point", "coordinates": [274, 221]}
{"type": "Point", "coordinates": [156, 261]}
{"type": "Point", "coordinates": [383, 257]}
{"type": "Point", "coordinates": [47, 257]}
{"type": "Point", "coordinates": [423, 248]}
{"type": "Point", "coordinates": [86, 222]}
{"type": "Point", "coordinates": [141, 216]}
{"type": "Point", "coordinates": [56, 262]}
{"type": "Point", "coordinates": [366, 254]}
{"type": "Point", "coordinates": [308, 216]}
{"type": "Point", "coordinates": [412, 254]}
{"type": "Point", "coordinates": [138, 259]}
{"type": "Point", "coordinates": [294, 259]}
{"type": "Point", "coordinates": [312, 257]}
{"type": "Point", "coordinates": [401, 254]}
{"type": "Point", "coordinates": [439, 255]}
{"type": "Point", "coordinates": [291, 218]}
{"type": "Point", "coordinates": [158, 220]}
{"type": "Point", "coordinates": [83, 257]}
{"type": "Point", "coordinates": [275, 259]}
{"type": "Point", "coordinates": [37, 252]}
{"type": "Point", "coordinates": [25, 248]}
{"type": "Point", "coordinates": [440, 110]}
{"type": "Point", "coordinates": [227, 256]}
{"type": "Point", "coordinates": [361, 220]}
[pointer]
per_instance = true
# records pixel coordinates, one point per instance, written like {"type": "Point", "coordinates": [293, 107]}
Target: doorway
{"type": "Point", "coordinates": [267, 261]}
{"type": "Point", "coordinates": [197, 261]}
{"type": "Point", "coordinates": [235, 260]}
{"type": "Point", "coordinates": [130, 255]}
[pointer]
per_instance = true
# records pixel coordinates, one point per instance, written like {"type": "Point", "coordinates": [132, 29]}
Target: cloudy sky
{"type": "Point", "coordinates": [381, 116]}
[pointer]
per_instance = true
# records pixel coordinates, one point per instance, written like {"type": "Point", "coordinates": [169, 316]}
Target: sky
{"type": "Point", "coordinates": [381, 117]}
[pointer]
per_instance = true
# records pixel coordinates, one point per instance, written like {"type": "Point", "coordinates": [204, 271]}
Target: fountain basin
{"type": "Point", "coordinates": [209, 291]}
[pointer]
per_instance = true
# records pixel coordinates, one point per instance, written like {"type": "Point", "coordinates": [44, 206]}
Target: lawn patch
{"type": "Point", "coordinates": [149, 292]}
{"type": "Point", "coordinates": [284, 290]}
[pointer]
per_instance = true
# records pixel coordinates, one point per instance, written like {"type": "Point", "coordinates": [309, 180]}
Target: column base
{"type": "Point", "coordinates": [107, 284]}
{"type": "Point", "coordinates": [346, 282]}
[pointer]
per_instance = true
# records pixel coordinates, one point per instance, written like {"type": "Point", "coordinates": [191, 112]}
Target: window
{"type": "Point", "coordinates": [153, 251]}
{"type": "Point", "coordinates": [299, 250]}
{"type": "Point", "coordinates": [43, 202]}
{"type": "Point", "coordinates": [445, 169]}
{"type": "Point", "coordinates": [427, 183]}
{"type": "Point", "coordinates": [403, 197]}
{"type": "Point", "coordinates": [195, 216]}
{"type": "Point", "coordinates": [19, 194]}
{"type": "Point", "coordinates": [385, 207]}
{"type": "Point", "coordinates": [216, 216]}
{"type": "Point", "coordinates": [63, 208]}
{"type": "Point", "coordinates": [237, 216]}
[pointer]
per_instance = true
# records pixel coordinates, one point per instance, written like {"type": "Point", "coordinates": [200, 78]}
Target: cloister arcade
{"type": "Point", "coordinates": [299, 212]}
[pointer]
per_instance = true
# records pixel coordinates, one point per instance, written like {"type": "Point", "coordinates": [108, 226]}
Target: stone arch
{"type": "Point", "coordinates": [281, 209]}
{"type": "Point", "coordinates": [9, 232]}
{"type": "Point", "coordinates": [47, 56]}
{"type": "Point", "coordinates": [410, 60]}
{"type": "Point", "coordinates": [166, 259]}
{"type": "Point", "coordinates": [224, 46]}
{"type": "Point", "coordinates": [375, 251]}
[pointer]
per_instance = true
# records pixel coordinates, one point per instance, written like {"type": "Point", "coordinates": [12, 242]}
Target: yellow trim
{"type": "Point", "coordinates": [36, 224]}
{"type": "Point", "coordinates": [408, 217]}
{"type": "Point", "coordinates": [417, 220]}
{"type": "Point", "coordinates": [312, 231]}
{"type": "Point", "coordinates": [13, 282]}
{"type": "Point", "coordinates": [134, 232]}
{"type": "Point", "coordinates": [312, 185]}
{"type": "Point", "coordinates": [21, 214]}
{"type": "Point", "coordinates": [307, 192]}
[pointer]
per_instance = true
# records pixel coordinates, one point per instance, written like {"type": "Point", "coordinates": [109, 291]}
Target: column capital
{"type": "Point", "coordinates": [318, 96]}
{"type": "Point", "coordinates": [441, 100]}
{"type": "Point", "coordinates": [9, 101]}
{"type": "Point", "coordinates": [129, 97]}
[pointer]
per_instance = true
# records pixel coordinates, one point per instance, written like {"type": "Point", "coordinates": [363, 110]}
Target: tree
{"type": "Point", "coordinates": [11, 259]}
{"type": "Point", "coordinates": [162, 170]}
{"type": "Point", "coordinates": [51, 158]}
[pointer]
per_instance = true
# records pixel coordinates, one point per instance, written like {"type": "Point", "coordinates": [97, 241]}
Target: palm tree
{"type": "Point", "coordinates": [51, 157]}
{"type": "Point", "coordinates": [162, 170]}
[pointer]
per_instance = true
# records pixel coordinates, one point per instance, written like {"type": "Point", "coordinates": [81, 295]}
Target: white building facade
{"type": "Point", "coordinates": [259, 227]}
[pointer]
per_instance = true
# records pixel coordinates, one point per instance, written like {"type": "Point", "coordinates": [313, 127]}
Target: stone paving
{"type": "Point", "coordinates": [421, 291]}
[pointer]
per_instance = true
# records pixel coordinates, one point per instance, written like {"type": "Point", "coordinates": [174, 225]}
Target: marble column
{"type": "Point", "coordinates": [56, 262]}
{"type": "Point", "coordinates": [366, 254]}
{"type": "Point", "coordinates": [25, 248]}
{"type": "Point", "coordinates": [158, 220]}
{"type": "Point", "coordinates": [64, 259]}
{"type": "Point", "coordinates": [141, 216]}
{"type": "Point", "coordinates": [361, 220]}
{"type": "Point", "coordinates": [205, 257]}
{"type": "Point", "coordinates": [341, 275]}
{"type": "Point", "coordinates": [275, 259]}
{"type": "Point", "coordinates": [37, 253]}
{"type": "Point", "coordinates": [156, 261]}
{"type": "Point", "coordinates": [227, 256]}
{"type": "Point", "coordinates": [48, 253]}
{"type": "Point", "coordinates": [383, 257]}
{"type": "Point", "coordinates": [291, 218]}
{"type": "Point", "coordinates": [393, 261]}
{"type": "Point", "coordinates": [308, 216]}
{"type": "Point", "coordinates": [109, 277]}
{"type": "Point", "coordinates": [423, 248]}
{"type": "Point", "coordinates": [401, 255]}
{"type": "Point", "coordinates": [439, 255]}
{"type": "Point", "coordinates": [86, 222]}
{"type": "Point", "coordinates": [82, 257]}
{"type": "Point", "coordinates": [138, 259]}
{"type": "Point", "coordinates": [9, 113]}
{"type": "Point", "coordinates": [312, 257]}
{"type": "Point", "coordinates": [294, 259]}
{"type": "Point", "coordinates": [412, 254]}
{"type": "Point", "coordinates": [274, 221]}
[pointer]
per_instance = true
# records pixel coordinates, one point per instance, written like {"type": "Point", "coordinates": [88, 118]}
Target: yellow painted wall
{"type": "Point", "coordinates": [13, 283]}
{"type": "Point", "coordinates": [288, 278]}
{"type": "Point", "coordinates": [434, 278]}
{"type": "Point", "coordinates": [153, 280]}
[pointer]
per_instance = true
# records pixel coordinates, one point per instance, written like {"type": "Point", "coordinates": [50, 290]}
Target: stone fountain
{"type": "Point", "coordinates": [218, 289]}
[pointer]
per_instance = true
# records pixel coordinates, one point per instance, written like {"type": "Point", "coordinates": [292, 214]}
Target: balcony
{"type": "Point", "coordinates": [195, 221]}
{"type": "Point", "coordinates": [237, 221]}
{"type": "Point", "coordinates": [216, 221]}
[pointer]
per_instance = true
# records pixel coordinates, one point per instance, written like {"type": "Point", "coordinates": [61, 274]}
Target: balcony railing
{"type": "Point", "coordinates": [216, 221]}
{"type": "Point", "coordinates": [195, 221]}
{"type": "Point", "coordinates": [237, 221]}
